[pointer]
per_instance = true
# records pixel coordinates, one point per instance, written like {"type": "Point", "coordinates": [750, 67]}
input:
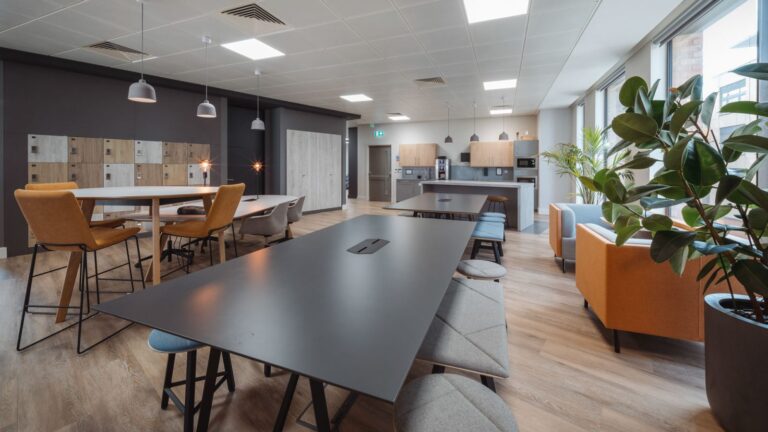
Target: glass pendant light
{"type": "Point", "coordinates": [257, 124]}
{"type": "Point", "coordinates": [503, 136]}
{"type": "Point", "coordinates": [448, 138]}
{"type": "Point", "coordinates": [474, 137]}
{"type": "Point", "coordinates": [206, 109]}
{"type": "Point", "coordinates": [141, 91]}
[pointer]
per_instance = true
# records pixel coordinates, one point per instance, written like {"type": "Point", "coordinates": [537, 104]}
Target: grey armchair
{"type": "Point", "coordinates": [563, 218]}
{"type": "Point", "coordinates": [269, 225]}
{"type": "Point", "coordinates": [295, 210]}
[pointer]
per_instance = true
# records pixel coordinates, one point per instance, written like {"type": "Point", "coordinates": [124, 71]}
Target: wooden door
{"type": "Point", "coordinates": [194, 175]}
{"type": "Point", "coordinates": [117, 151]}
{"type": "Point", "coordinates": [47, 148]}
{"type": "Point", "coordinates": [174, 174]}
{"type": "Point", "coordinates": [86, 150]}
{"type": "Point", "coordinates": [148, 152]}
{"type": "Point", "coordinates": [86, 175]}
{"type": "Point", "coordinates": [175, 153]}
{"type": "Point", "coordinates": [379, 174]}
{"type": "Point", "coordinates": [149, 174]}
{"type": "Point", "coordinates": [199, 152]}
{"type": "Point", "coordinates": [47, 172]}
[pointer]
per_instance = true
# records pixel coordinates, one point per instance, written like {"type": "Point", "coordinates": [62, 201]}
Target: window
{"type": "Point", "coordinates": [580, 125]}
{"type": "Point", "coordinates": [611, 104]}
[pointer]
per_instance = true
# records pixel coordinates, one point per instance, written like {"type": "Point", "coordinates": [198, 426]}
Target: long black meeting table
{"type": "Point", "coordinates": [348, 305]}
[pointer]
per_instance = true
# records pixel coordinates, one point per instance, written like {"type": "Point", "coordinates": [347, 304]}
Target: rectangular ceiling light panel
{"type": "Point", "coordinates": [254, 49]}
{"type": "Point", "coordinates": [486, 10]}
{"type": "Point", "coordinates": [399, 117]}
{"type": "Point", "coordinates": [501, 110]}
{"type": "Point", "coordinates": [356, 98]}
{"type": "Point", "coordinates": [501, 84]}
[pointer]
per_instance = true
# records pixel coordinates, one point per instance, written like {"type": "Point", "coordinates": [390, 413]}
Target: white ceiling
{"type": "Point", "coordinates": [335, 47]}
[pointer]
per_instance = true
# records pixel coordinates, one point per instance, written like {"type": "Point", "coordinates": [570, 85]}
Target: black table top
{"type": "Point", "coordinates": [442, 203]}
{"type": "Point", "coordinates": [308, 305]}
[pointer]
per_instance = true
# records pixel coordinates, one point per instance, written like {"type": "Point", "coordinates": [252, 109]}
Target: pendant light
{"type": "Point", "coordinates": [206, 109]}
{"type": "Point", "coordinates": [474, 137]}
{"type": "Point", "coordinates": [141, 91]}
{"type": "Point", "coordinates": [503, 136]}
{"type": "Point", "coordinates": [448, 138]}
{"type": "Point", "coordinates": [257, 124]}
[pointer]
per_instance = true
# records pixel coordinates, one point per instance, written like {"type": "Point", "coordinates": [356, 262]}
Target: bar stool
{"type": "Point", "coordinates": [481, 270]}
{"type": "Point", "coordinates": [68, 231]}
{"type": "Point", "coordinates": [167, 343]}
{"type": "Point", "coordinates": [110, 223]}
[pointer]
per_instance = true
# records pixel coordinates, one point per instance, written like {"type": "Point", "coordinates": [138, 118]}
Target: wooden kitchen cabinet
{"type": "Point", "coordinates": [199, 152]}
{"type": "Point", "coordinates": [150, 174]}
{"type": "Point", "coordinates": [118, 151]}
{"type": "Point", "coordinates": [175, 153]}
{"type": "Point", "coordinates": [418, 155]}
{"type": "Point", "coordinates": [86, 150]}
{"type": "Point", "coordinates": [175, 174]}
{"type": "Point", "coordinates": [47, 172]}
{"type": "Point", "coordinates": [86, 175]}
{"type": "Point", "coordinates": [148, 152]}
{"type": "Point", "coordinates": [496, 154]}
{"type": "Point", "coordinates": [46, 148]}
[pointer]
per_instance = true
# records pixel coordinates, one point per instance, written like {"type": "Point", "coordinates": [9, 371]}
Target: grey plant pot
{"type": "Point", "coordinates": [735, 349]}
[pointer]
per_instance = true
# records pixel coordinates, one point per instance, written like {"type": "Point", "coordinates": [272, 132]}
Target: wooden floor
{"type": "Point", "coordinates": [565, 375]}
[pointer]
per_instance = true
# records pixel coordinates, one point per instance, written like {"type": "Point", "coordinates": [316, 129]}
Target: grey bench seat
{"type": "Point", "coordinates": [490, 233]}
{"type": "Point", "coordinates": [469, 331]}
{"type": "Point", "coordinates": [451, 403]}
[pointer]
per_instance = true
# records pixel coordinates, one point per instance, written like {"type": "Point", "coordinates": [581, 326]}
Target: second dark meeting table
{"type": "Point", "coordinates": [348, 305]}
{"type": "Point", "coordinates": [447, 204]}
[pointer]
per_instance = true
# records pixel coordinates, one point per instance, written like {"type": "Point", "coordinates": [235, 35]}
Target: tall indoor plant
{"type": "Point", "coordinates": [728, 218]}
{"type": "Point", "coordinates": [574, 161]}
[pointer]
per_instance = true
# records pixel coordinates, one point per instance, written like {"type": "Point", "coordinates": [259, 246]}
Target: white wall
{"type": "Point", "coordinates": [554, 128]}
{"type": "Point", "coordinates": [434, 132]}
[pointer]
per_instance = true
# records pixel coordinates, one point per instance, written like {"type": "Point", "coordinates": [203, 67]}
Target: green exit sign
{"type": "Point", "coordinates": [378, 133]}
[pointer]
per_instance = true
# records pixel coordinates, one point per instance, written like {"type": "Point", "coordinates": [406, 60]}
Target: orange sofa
{"type": "Point", "coordinates": [628, 291]}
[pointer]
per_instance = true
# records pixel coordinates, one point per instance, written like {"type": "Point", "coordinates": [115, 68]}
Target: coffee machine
{"type": "Point", "coordinates": [442, 168]}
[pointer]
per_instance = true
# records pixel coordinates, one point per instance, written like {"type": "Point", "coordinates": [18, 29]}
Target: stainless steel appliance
{"type": "Point", "coordinates": [442, 168]}
{"type": "Point", "coordinates": [525, 162]}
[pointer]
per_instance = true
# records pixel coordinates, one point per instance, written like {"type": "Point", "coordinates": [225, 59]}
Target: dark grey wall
{"type": "Point", "coordinates": [352, 162]}
{"type": "Point", "coordinates": [280, 121]}
{"type": "Point", "coordinates": [245, 146]}
{"type": "Point", "coordinates": [48, 101]}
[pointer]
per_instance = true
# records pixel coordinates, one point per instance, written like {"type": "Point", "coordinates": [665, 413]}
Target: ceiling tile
{"type": "Point", "coordinates": [379, 26]}
{"type": "Point", "coordinates": [439, 14]}
{"type": "Point", "coordinates": [454, 55]}
{"type": "Point", "coordinates": [454, 37]}
{"type": "Point", "coordinates": [498, 50]}
{"type": "Point", "coordinates": [329, 35]}
{"type": "Point", "coordinates": [290, 42]}
{"type": "Point", "coordinates": [299, 13]}
{"type": "Point", "coordinates": [355, 52]}
{"type": "Point", "coordinates": [351, 8]}
{"type": "Point", "coordinates": [397, 46]}
{"type": "Point", "coordinates": [512, 28]}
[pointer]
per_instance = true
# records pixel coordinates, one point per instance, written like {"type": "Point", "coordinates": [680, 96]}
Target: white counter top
{"type": "Point", "coordinates": [478, 183]}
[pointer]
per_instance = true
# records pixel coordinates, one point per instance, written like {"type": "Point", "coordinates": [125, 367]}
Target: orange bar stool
{"type": "Point", "coordinates": [111, 223]}
{"type": "Point", "coordinates": [68, 231]}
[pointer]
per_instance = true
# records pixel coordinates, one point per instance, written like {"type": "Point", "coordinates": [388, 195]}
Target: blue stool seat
{"type": "Point", "coordinates": [492, 219]}
{"type": "Point", "coordinates": [489, 230]}
{"type": "Point", "coordinates": [167, 343]}
{"type": "Point", "coordinates": [494, 214]}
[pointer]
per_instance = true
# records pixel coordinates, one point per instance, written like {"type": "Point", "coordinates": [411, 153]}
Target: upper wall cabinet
{"type": "Point", "coordinates": [175, 153]}
{"type": "Point", "coordinates": [86, 150]}
{"type": "Point", "coordinates": [47, 148]}
{"type": "Point", "coordinates": [497, 154]}
{"type": "Point", "coordinates": [118, 151]}
{"type": "Point", "coordinates": [199, 152]}
{"type": "Point", "coordinates": [148, 152]}
{"type": "Point", "coordinates": [418, 155]}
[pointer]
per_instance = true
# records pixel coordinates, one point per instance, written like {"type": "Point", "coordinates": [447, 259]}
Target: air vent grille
{"type": "Point", "coordinates": [253, 11]}
{"type": "Point", "coordinates": [430, 82]}
{"type": "Point", "coordinates": [111, 46]}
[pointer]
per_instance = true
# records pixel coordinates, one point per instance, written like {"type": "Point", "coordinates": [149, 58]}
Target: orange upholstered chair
{"type": "Point", "coordinates": [68, 231]}
{"type": "Point", "coordinates": [111, 223]}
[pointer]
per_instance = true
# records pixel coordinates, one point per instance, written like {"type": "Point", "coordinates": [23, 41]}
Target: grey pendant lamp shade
{"type": "Point", "coordinates": [474, 137]}
{"type": "Point", "coordinates": [448, 138]}
{"type": "Point", "coordinates": [141, 91]}
{"type": "Point", "coordinates": [258, 124]}
{"type": "Point", "coordinates": [503, 135]}
{"type": "Point", "coordinates": [206, 109]}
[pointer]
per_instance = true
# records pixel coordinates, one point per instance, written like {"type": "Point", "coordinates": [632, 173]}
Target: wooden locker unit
{"type": "Point", "coordinates": [175, 153]}
{"type": "Point", "coordinates": [86, 175]}
{"type": "Point", "coordinates": [195, 175]}
{"type": "Point", "coordinates": [118, 151]}
{"type": "Point", "coordinates": [47, 172]}
{"type": "Point", "coordinates": [174, 174]}
{"type": "Point", "coordinates": [199, 152]}
{"type": "Point", "coordinates": [118, 175]}
{"type": "Point", "coordinates": [149, 174]}
{"type": "Point", "coordinates": [148, 152]}
{"type": "Point", "coordinates": [46, 148]}
{"type": "Point", "coordinates": [86, 150]}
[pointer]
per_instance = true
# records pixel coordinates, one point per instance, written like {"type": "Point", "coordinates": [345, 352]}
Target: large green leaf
{"type": "Point", "coordinates": [753, 275]}
{"type": "Point", "coordinates": [681, 116]}
{"type": "Point", "coordinates": [615, 190]}
{"type": "Point", "coordinates": [754, 70]}
{"type": "Point", "coordinates": [747, 143]}
{"type": "Point", "coordinates": [758, 219]}
{"type": "Point", "coordinates": [589, 184]}
{"type": "Point", "coordinates": [752, 171]}
{"type": "Point", "coordinates": [678, 260]}
{"type": "Point", "coordinates": [650, 203]}
{"type": "Point", "coordinates": [619, 146]}
{"type": "Point", "coordinates": [706, 109]}
{"type": "Point", "coordinates": [625, 227]}
{"type": "Point", "coordinates": [691, 88]}
{"type": "Point", "coordinates": [635, 193]}
{"type": "Point", "coordinates": [726, 186]}
{"type": "Point", "coordinates": [691, 217]}
{"type": "Point", "coordinates": [673, 159]}
{"type": "Point", "coordinates": [666, 243]}
{"type": "Point", "coordinates": [744, 107]}
{"type": "Point", "coordinates": [639, 162]}
{"type": "Point", "coordinates": [706, 268]}
{"type": "Point", "coordinates": [754, 194]}
{"type": "Point", "coordinates": [643, 104]}
{"type": "Point", "coordinates": [702, 164]}
{"type": "Point", "coordinates": [705, 248]}
{"type": "Point", "coordinates": [633, 127]}
{"type": "Point", "coordinates": [652, 90]}
{"type": "Point", "coordinates": [657, 222]}
{"type": "Point", "coordinates": [630, 89]}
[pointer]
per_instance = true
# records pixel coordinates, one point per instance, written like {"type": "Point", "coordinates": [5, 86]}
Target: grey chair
{"type": "Point", "coordinates": [295, 210]}
{"type": "Point", "coordinates": [269, 225]}
{"type": "Point", "coordinates": [570, 216]}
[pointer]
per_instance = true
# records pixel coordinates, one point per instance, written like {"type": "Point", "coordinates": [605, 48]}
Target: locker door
{"type": "Point", "coordinates": [199, 152]}
{"type": "Point", "coordinates": [149, 152]}
{"type": "Point", "coordinates": [118, 151]}
{"type": "Point", "coordinates": [46, 172]}
{"type": "Point", "coordinates": [195, 175]}
{"type": "Point", "coordinates": [87, 175]}
{"type": "Point", "coordinates": [149, 175]}
{"type": "Point", "coordinates": [299, 160]}
{"type": "Point", "coordinates": [174, 175]}
{"type": "Point", "coordinates": [86, 150]}
{"type": "Point", "coordinates": [175, 153]}
{"type": "Point", "coordinates": [118, 175]}
{"type": "Point", "coordinates": [336, 172]}
{"type": "Point", "coordinates": [47, 148]}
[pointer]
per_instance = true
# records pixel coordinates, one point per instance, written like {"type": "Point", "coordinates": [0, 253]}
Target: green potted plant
{"type": "Point", "coordinates": [574, 161]}
{"type": "Point", "coordinates": [728, 216]}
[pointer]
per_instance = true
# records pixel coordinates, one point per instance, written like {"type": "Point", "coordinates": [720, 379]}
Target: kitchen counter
{"type": "Point", "coordinates": [520, 196]}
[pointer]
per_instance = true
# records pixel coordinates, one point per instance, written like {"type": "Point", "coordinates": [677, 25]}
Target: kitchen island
{"type": "Point", "coordinates": [519, 208]}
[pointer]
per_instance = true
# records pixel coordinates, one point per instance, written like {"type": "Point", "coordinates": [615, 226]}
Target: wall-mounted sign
{"type": "Point", "coordinates": [378, 133]}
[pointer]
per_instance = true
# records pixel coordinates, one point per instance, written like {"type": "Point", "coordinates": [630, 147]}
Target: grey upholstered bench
{"type": "Point", "coordinates": [481, 269]}
{"type": "Point", "coordinates": [469, 331]}
{"type": "Point", "coordinates": [451, 403]}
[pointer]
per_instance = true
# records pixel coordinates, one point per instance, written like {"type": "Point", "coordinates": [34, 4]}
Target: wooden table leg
{"type": "Point", "coordinates": [148, 274]}
{"type": "Point", "coordinates": [157, 247]}
{"type": "Point", "coordinates": [222, 247]}
{"type": "Point", "coordinates": [73, 268]}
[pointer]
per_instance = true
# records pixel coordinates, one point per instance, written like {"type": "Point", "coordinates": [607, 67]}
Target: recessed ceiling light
{"type": "Point", "coordinates": [252, 48]}
{"type": "Point", "coordinates": [399, 117]}
{"type": "Point", "coordinates": [501, 110]}
{"type": "Point", "coordinates": [498, 85]}
{"type": "Point", "coordinates": [356, 98]}
{"type": "Point", "coordinates": [486, 10]}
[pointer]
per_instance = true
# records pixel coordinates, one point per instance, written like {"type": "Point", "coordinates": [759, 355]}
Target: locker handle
{"type": "Point", "coordinates": [190, 175]}
{"type": "Point", "coordinates": [34, 177]}
{"type": "Point", "coordinates": [74, 176]}
{"type": "Point", "coordinates": [109, 176]}
{"type": "Point", "coordinates": [108, 152]}
{"type": "Point", "coordinates": [165, 174]}
{"type": "Point", "coordinates": [34, 149]}
{"type": "Point", "coordinates": [74, 151]}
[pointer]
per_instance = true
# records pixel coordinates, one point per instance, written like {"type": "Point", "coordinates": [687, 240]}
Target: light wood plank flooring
{"type": "Point", "coordinates": [565, 375]}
